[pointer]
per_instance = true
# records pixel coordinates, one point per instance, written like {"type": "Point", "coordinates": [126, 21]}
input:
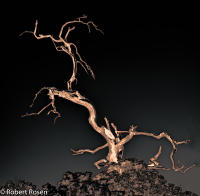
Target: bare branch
{"type": "Point", "coordinates": [188, 168]}
{"type": "Point", "coordinates": [82, 62]}
{"type": "Point", "coordinates": [36, 95]}
{"type": "Point", "coordinates": [183, 169]}
{"type": "Point", "coordinates": [82, 151]}
{"type": "Point", "coordinates": [79, 20]}
{"type": "Point", "coordinates": [54, 110]}
{"type": "Point", "coordinates": [128, 137]}
{"type": "Point", "coordinates": [68, 31]}
{"type": "Point", "coordinates": [157, 154]}
{"type": "Point", "coordinates": [115, 129]}
{"type": "Point", "coordinates": [107, 123]}
{"type": "Point", "coordinates": [52, 103]}
{"type": "Point", "coordinates": [114, 144]}
{"type": "Point", "coordinates": [173, 142]}
{"type": "Point", "coordinates": [40, 36]}
{"type": "Point", "coordinates": [36, 113]}
{"type": "Point", "coordinates": [153, 161]}
{"type": "Point", "coordinates": [66, 46]}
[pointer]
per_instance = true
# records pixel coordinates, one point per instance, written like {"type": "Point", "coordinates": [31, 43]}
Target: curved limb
{"type": "Point", "coordinates": [129, 136]}
{"type": "Point", "coordinates": [82, 151]}
{"type": "Point", "coordinates": [100, 161]}
{"type": "Point", "coordinates": [173, 142]}
{"type": "Point", "coordinates": [85, 66]}
{"type": "Point", "coordinates": [79, 20]}
{"type": "Point", "coordinates": [36, 95]}
{"type": "Point", "coordinates": [153, 162]}
{"type": "Point", "coordinates": [107, 123]}
{"type": "Point", "coordinates": [181, 168]}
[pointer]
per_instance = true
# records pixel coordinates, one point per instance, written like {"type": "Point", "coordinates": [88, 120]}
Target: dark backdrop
{"type": "Point", "coordinates": [146, 74]}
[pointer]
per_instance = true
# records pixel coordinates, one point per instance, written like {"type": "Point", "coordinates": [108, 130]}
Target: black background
{"type": "Point", "coordinates": [146, 66]}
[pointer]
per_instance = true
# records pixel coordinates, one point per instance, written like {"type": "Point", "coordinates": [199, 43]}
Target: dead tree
{"type": "Point", "coordinates": [108, 131]}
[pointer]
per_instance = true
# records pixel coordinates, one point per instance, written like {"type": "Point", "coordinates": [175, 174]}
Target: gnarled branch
{"type": "Point", "coordinates": [67, 47]}
{"type": "Point", "coordinates": [82, 151]}
{"type": "Point", "coordinates": [114, 143]}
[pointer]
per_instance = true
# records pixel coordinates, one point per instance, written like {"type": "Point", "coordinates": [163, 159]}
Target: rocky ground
{"type": "Point", "coordinates": [128, 177]}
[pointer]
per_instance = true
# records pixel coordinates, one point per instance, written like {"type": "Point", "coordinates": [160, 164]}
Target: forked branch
{"type": "Point", "coordinates": [63, 45]}
{"type": "Point", "coordinates": [115, 144]}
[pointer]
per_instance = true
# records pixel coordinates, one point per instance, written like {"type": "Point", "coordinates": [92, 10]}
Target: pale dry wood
{"type": "Point", "coordinates": [153, 161]}
{"type": "Point", "coordinates": [107, 123]}
{"type": "Point", "coordinates": [115, 129]}
{"type": "Point", "coordinates": [67, 47]}
{"type": "Point", "coordinates": [82, 151]}
{"type": "Point", "coordinates": [114, 144]}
